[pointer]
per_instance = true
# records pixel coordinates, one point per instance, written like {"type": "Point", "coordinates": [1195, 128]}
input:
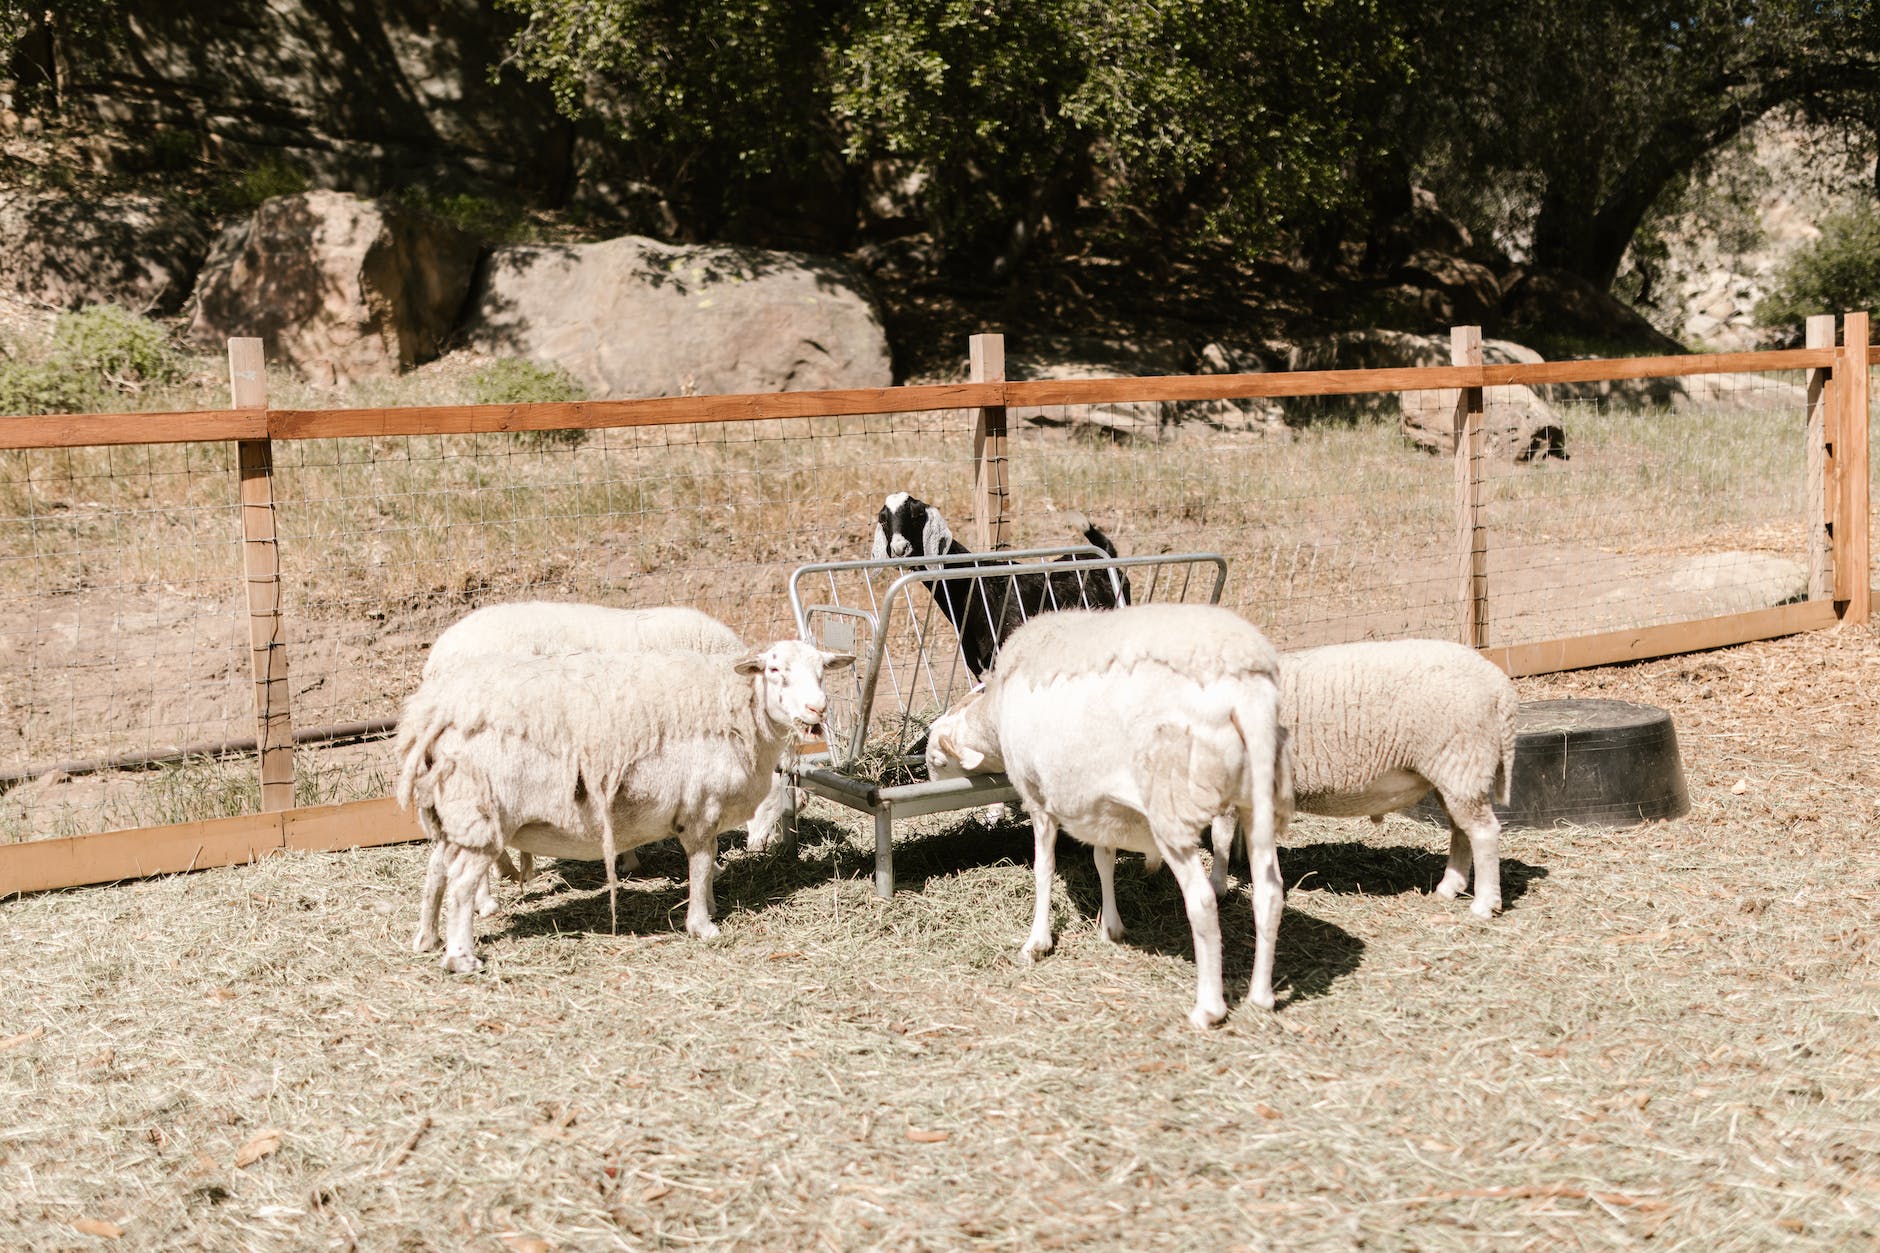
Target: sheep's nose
{"type": "Point", "coordinates": [899, 547]}
{"type": "Point", "coordinates": [815, 708]}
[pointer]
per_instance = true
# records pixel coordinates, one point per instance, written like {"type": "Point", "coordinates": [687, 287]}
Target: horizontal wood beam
{"type": "Point", "coordinates": [601, 414]}
{"type": "Point", "coordinates": [41, 865]}
{"type": "Point", "coordinates": [1613, 647]}
{"type": "Point", "coordinates": [86, 430]}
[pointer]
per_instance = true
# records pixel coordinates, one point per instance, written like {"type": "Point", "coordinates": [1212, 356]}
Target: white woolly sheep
{"type": "Point", "coordinates": [1374, 726]}
{"type": "Point", "coordinates": [1133, 729]}
{"type": "Point", "coordinates": [578, 756]}
{"type": "Point", "coordinates": [555, 628]}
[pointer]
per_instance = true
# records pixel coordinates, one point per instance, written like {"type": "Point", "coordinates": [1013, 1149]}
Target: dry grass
{"type": "Point", "coordinates": [1671, 1034]}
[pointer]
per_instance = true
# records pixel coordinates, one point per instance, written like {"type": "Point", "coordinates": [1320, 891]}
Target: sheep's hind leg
{"type": "Point", "coordinates": [1456, 874]}
{"type": "Point", "coordinates": [1475, 835]}
{"type": "Point", "coordinates": [1221, 835]}
{"type": "Point", "coordinates": [469, 869]}
{"type": "Point", "coordinates": [1109, 922]}
{"type": "Point", "coordinates": [1204, 920]}
{"type": "Point", "coordinates": [431, 898]}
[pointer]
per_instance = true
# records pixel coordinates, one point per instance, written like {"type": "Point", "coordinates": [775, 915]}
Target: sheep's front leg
{"type": "Point", "coordinates": [767, 822]}
{"type": "Point", "coordinates": [1044, 869]}
{"type": "Point", "coordinates": [1269, 899]}
{"type": "Point", "coordinates": [1109, 922]}
{"type": "Point", "coordinates": [1184, 862]}
{"type": "Point", "coordinates": [701, 861]}
{"type": "Point", "coordinates": [431, 898]}
{"type": "Point", "coordinates": [469, 869]}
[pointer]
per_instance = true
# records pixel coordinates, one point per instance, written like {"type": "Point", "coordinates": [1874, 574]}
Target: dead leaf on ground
{"type": "Point", "coordinates": [260, 1146]}
{"type": "Point", "coordinates": [655, 1192]}
{"type": "Point", "coordinates": [526, 1244]}
{"type": "Point", "coordinates": [14, 1041]}
{"type": "Point", "coordinates": [98, 1227]}
{"type": "Point", "coordinates": [919, 1136]}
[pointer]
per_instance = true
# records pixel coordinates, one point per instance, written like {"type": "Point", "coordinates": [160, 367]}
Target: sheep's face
{"type": "Point", "coordinates": [906, 527]}
{"type": "Point", "coordinates": [791, 682]}
{"type": "Point", "coordinates": [960, 742]}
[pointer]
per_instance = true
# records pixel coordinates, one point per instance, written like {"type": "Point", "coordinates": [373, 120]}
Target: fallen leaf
{"type": "Point", "coordinates": [1437, 1146]}
{"type": "Point", "coordinates": [1265, 1111]}
{"type": "Point", "coordinates": [926, 1137]}
{"type": "Point", "coordinates": [1792, 1224]}
{"type": "Point", "coordinates": [223, 994]}
{"type": "Point", "coordinates": [526, 1244]}
{"type": "Point", "coordinates": [655, 1192]}
{"type": "Point", "coordinates": [260, 1146]}
{"type": "Point", "coordinates": [1739, 787]}
{"type": "Point", "coordinates": [98, 1227]}
{"type": "Point", "coordinates": [14, 1041]}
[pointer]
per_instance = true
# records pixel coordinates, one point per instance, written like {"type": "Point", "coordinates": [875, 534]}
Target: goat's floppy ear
{"type": "Point", "coordinates": [968, 759]}
{"type": "Point", "coordinates": [838, 661]}
{"type": "Point", "coordinates": [880, 550]}
{"type": "Point", "coordinates": [750, 663]}
{"type": "Point", "coordinates": [934, 537]}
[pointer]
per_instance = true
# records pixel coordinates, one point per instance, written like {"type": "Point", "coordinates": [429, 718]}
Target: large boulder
{"type": "Point", "coordinates": [635, 317]}
{"type": "Point", "coordinates": [1521, 422]}
{"type": "Point", "coordinates": [343, 288]}
{"type": "Point", "coordinates": [1144, 419]}
{"type": "Point", "coordinates": [1566, 304]}
{"type": "Point", "coordinates": [134, 250]}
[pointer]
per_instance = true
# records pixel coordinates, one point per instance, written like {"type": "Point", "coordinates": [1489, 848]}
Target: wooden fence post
{"type": "Point", "coordinates": [261, 573]}
{"type": "Point", "coordinates": [1853, 569]}
{"type": "Point", "coordinates": [1465, 348]}
{"type": "Point", "coordinates": [1821, 438]}
{"type": "Point", "coordinates": [991, 488]}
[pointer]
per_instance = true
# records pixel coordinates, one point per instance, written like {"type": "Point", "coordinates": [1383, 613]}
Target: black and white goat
{"type": "Point", "coordinates": [985, 611]}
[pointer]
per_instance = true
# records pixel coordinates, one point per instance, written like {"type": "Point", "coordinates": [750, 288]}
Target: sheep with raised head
{"type": "Point", "coordinates": [1375, 725]}
{"type": "Point", "coordinates": [1134, 729]}
{"type": "Point", "coordinates": [984, 612]}
{"type": "Point", "coordinates": [553, 628]}
{"type": "Point", "coordinates": [581, 755]}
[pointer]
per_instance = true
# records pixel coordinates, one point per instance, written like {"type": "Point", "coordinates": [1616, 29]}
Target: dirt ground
{"type": "Point", "coordinates": [1672, 1034]}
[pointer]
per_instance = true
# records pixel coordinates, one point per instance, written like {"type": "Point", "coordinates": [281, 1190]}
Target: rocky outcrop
{"type": "Point", "coordinates": [341, 287]}
{"type": "Point", "coordinates": [635, 317]}
{"type": "Point", "coordinates": [1137, 420]}
{"type": "Point", "coordinates": [133, 250]}
{"type": "Point", "coordinates": [366, 97]}
{"type": "Point", "coordinates": [1566, 305]}
{"type": "Point", "coordinates": [1521, 422]}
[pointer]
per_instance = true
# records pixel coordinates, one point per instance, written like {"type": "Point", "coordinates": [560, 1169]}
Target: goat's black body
{"type": "Point", "coordinates": [986, 610]}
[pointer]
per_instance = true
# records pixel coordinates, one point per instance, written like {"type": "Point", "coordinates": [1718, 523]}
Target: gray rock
{"type": "Point", "coordinates": [340, 287]}
{"type": "Point", "coordinates": [1142, 419]}
{"type": "Point", "coordinates": [635, 317]}
{"type": "Point", "coordinates": [134, 250]}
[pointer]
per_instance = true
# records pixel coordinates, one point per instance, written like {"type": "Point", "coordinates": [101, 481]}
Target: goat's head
{"type": "Point", "coordinates": [791, 684]}
{"type": "Point", "coordinates": [907, 527]}
{"type": "Point", "coordinates": [963, 741]}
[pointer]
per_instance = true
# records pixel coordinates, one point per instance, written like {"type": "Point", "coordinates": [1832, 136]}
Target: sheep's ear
{"type": "Point", "coordinates": [881, 542]}
{"type": "Point", "coordinates": [934, 537]}
{"type": "Point", "coordinates": [969, 759]}
{"type": "Point", "coordinates": [751, 663]}
{"type": "Point", "coordinates": [838, 661]}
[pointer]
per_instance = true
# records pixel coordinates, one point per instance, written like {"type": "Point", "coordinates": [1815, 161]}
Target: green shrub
{"type": "Point", "coordinates": [92, 358]}
{"type": "Point", "coordinates": [116, 346]}
{"type": "Point", "coordinates": [490, 220]}
{"type": "Point", "coordinates": [1837, 273]}
{"type": "Point", "coordinates": [267, 178]}
{"type": "Point", "coordinates": [517, 381]}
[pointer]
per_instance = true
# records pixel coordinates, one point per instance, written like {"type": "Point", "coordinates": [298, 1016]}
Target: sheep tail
{"type": "Point", "coordinates": [418, 732]}
{"type": "Point", "coordinates": [1504, 770]}
{"type": "Point", "coordinates": [603, 796]}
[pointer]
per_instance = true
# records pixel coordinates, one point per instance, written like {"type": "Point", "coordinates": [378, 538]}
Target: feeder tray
{"type": "Point", "coordinates": [1593, 763]}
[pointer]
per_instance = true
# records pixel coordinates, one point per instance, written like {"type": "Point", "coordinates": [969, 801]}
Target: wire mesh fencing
{"type": "Point", "coordinates": [386, 542]}
{"type": "Point", "coordinates": [124, 635]}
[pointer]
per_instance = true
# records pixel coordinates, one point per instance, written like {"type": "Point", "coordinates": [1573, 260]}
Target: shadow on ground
{"type": "Point", "coordinates": [1353, 868]}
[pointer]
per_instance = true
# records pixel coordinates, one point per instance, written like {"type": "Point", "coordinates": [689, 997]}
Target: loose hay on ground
{"type": "Point", "coordinates": [1672, 1034]}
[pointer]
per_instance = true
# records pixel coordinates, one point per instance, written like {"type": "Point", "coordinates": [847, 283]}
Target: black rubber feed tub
{"type": "Point", "coordinates": [1591, 763]}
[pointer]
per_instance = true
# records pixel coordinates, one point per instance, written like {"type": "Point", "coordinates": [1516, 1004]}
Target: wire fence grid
{"type": "Point", "coordinates": [123, 618]}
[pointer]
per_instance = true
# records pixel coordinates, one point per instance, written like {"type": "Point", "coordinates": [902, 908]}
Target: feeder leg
{"type": "Point", "coordinates": [884, 850]}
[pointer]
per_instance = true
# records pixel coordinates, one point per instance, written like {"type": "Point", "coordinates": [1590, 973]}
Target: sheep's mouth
{"type": "Point", "coordinates": [809, 730]}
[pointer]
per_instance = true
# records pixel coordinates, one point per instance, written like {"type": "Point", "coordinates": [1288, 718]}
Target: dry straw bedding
{"type": "Point", "coordinates": [1673, 1033]}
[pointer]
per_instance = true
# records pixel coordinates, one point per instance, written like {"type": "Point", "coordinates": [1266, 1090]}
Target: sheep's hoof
{"type": "Point", "coordinates": [1111, 929]}
{"type": "Point", "coordinates": [1204, 1016]}
{"type": "Point", "coordinates": [1485, 909]}
{"type": "Point", "coordinates": [1451, 885]}
{"type": "Point", "coordinates": [424, 941]}
{"type": "Point", "coordinates": [704, 931]}
{"type": "Point", "coordinates": [1261, 999]}
{"type": "Point", "coordinates": [462, 963]}
{"type": "Point", "coordinates": [486, 904]}
{"type": "Point", "coordinates": [1035, 947]}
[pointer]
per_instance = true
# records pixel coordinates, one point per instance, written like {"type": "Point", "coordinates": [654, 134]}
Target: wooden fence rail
{"type": "Point", "coordinates": [1835, 422]}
